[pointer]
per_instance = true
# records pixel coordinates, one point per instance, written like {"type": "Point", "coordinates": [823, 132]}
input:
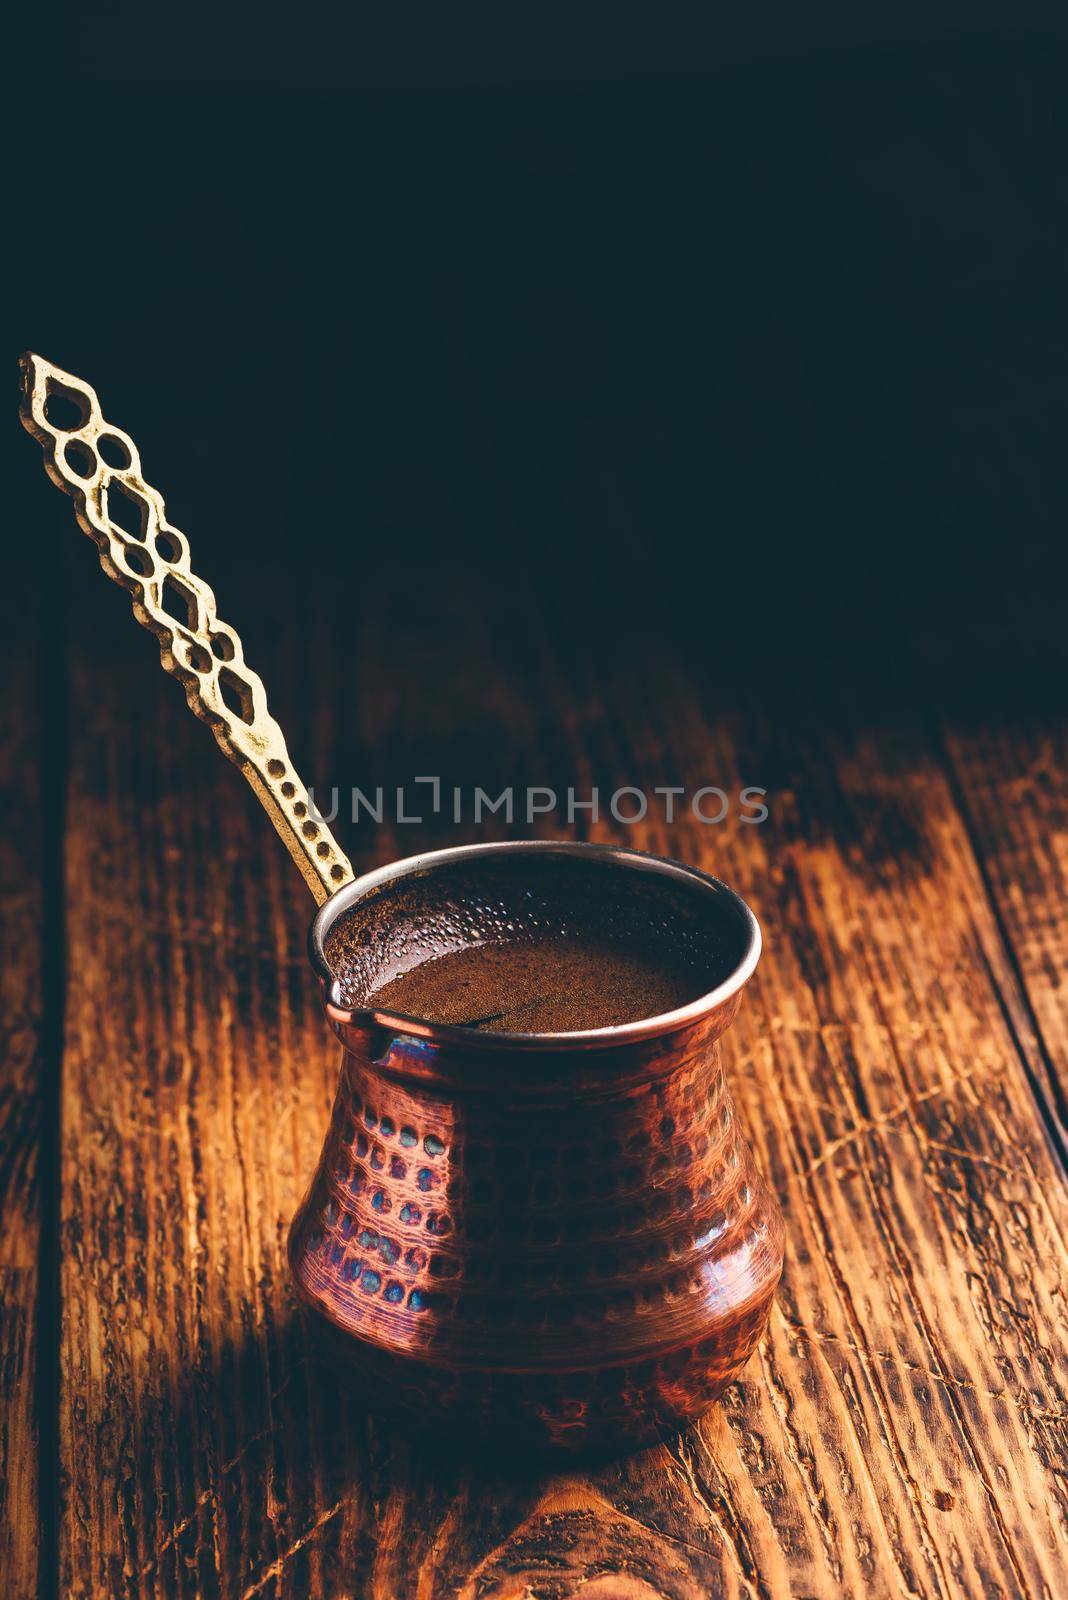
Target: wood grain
{"type": "Point", "coordinates": [27, 1100]}
{"type": "Point", "coordinates": [903, 1428]}
{"type": "Point", "coordinates": [1011, 778]}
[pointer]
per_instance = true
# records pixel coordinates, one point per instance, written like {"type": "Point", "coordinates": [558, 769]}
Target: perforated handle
{"type": "Point", "coordinates": [99, 466]}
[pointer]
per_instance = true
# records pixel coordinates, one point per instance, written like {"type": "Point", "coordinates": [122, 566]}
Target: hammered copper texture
{"type": "Point", "coordinates": [574, 1256]}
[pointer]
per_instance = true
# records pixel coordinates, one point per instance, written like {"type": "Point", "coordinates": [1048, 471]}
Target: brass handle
{"type": "Point", "coordinates": [99, 466]}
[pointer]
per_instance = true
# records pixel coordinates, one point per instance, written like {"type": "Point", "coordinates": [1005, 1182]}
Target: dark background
{"type": "Point", "coordinates": [743, 335]}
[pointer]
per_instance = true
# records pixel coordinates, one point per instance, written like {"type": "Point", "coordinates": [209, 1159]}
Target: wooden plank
{"type": "Point", "coordinates": [887, 1099]}
{"type": "Point", "coordinates": [903, 1427]}
{"type": "Point", "coordinates": [24, 1105]}
{"type": "Point", "coordinates": [196, 1083]}
{"type": "Point", "coordinates": [1012, 788]}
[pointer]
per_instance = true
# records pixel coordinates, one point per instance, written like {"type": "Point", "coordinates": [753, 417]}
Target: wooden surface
{"type": "Point", "coordinates": [904, 1427]}
{"type": "Point", "coordinates": [27, 1111]}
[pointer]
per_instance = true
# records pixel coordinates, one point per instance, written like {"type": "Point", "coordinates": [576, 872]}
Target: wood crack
{"type": "Point", "coordinates": [277, 1566]}
{"type": "Point", "coordinates": [1050, 1100]}
{"type": "Point", "coordinates": [731, 1532]}
{"type": "Point", "coordinates": [876, 1124]}
{"type": "Point", "coordinates": [1003, 1396]}
{"type": "Point", "coordinates": [882, 1401]}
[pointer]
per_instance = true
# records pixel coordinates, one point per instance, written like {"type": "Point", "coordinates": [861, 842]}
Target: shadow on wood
{"type": "Point", "coordinates": [398, 1513]}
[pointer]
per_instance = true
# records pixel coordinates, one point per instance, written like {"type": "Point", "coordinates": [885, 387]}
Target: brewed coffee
{"type": "Point", "coordinates": [544, 945]}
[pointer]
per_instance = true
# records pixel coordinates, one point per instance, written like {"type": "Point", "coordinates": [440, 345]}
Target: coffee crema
{"type": "Point", "coordinates": [547, 944]}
